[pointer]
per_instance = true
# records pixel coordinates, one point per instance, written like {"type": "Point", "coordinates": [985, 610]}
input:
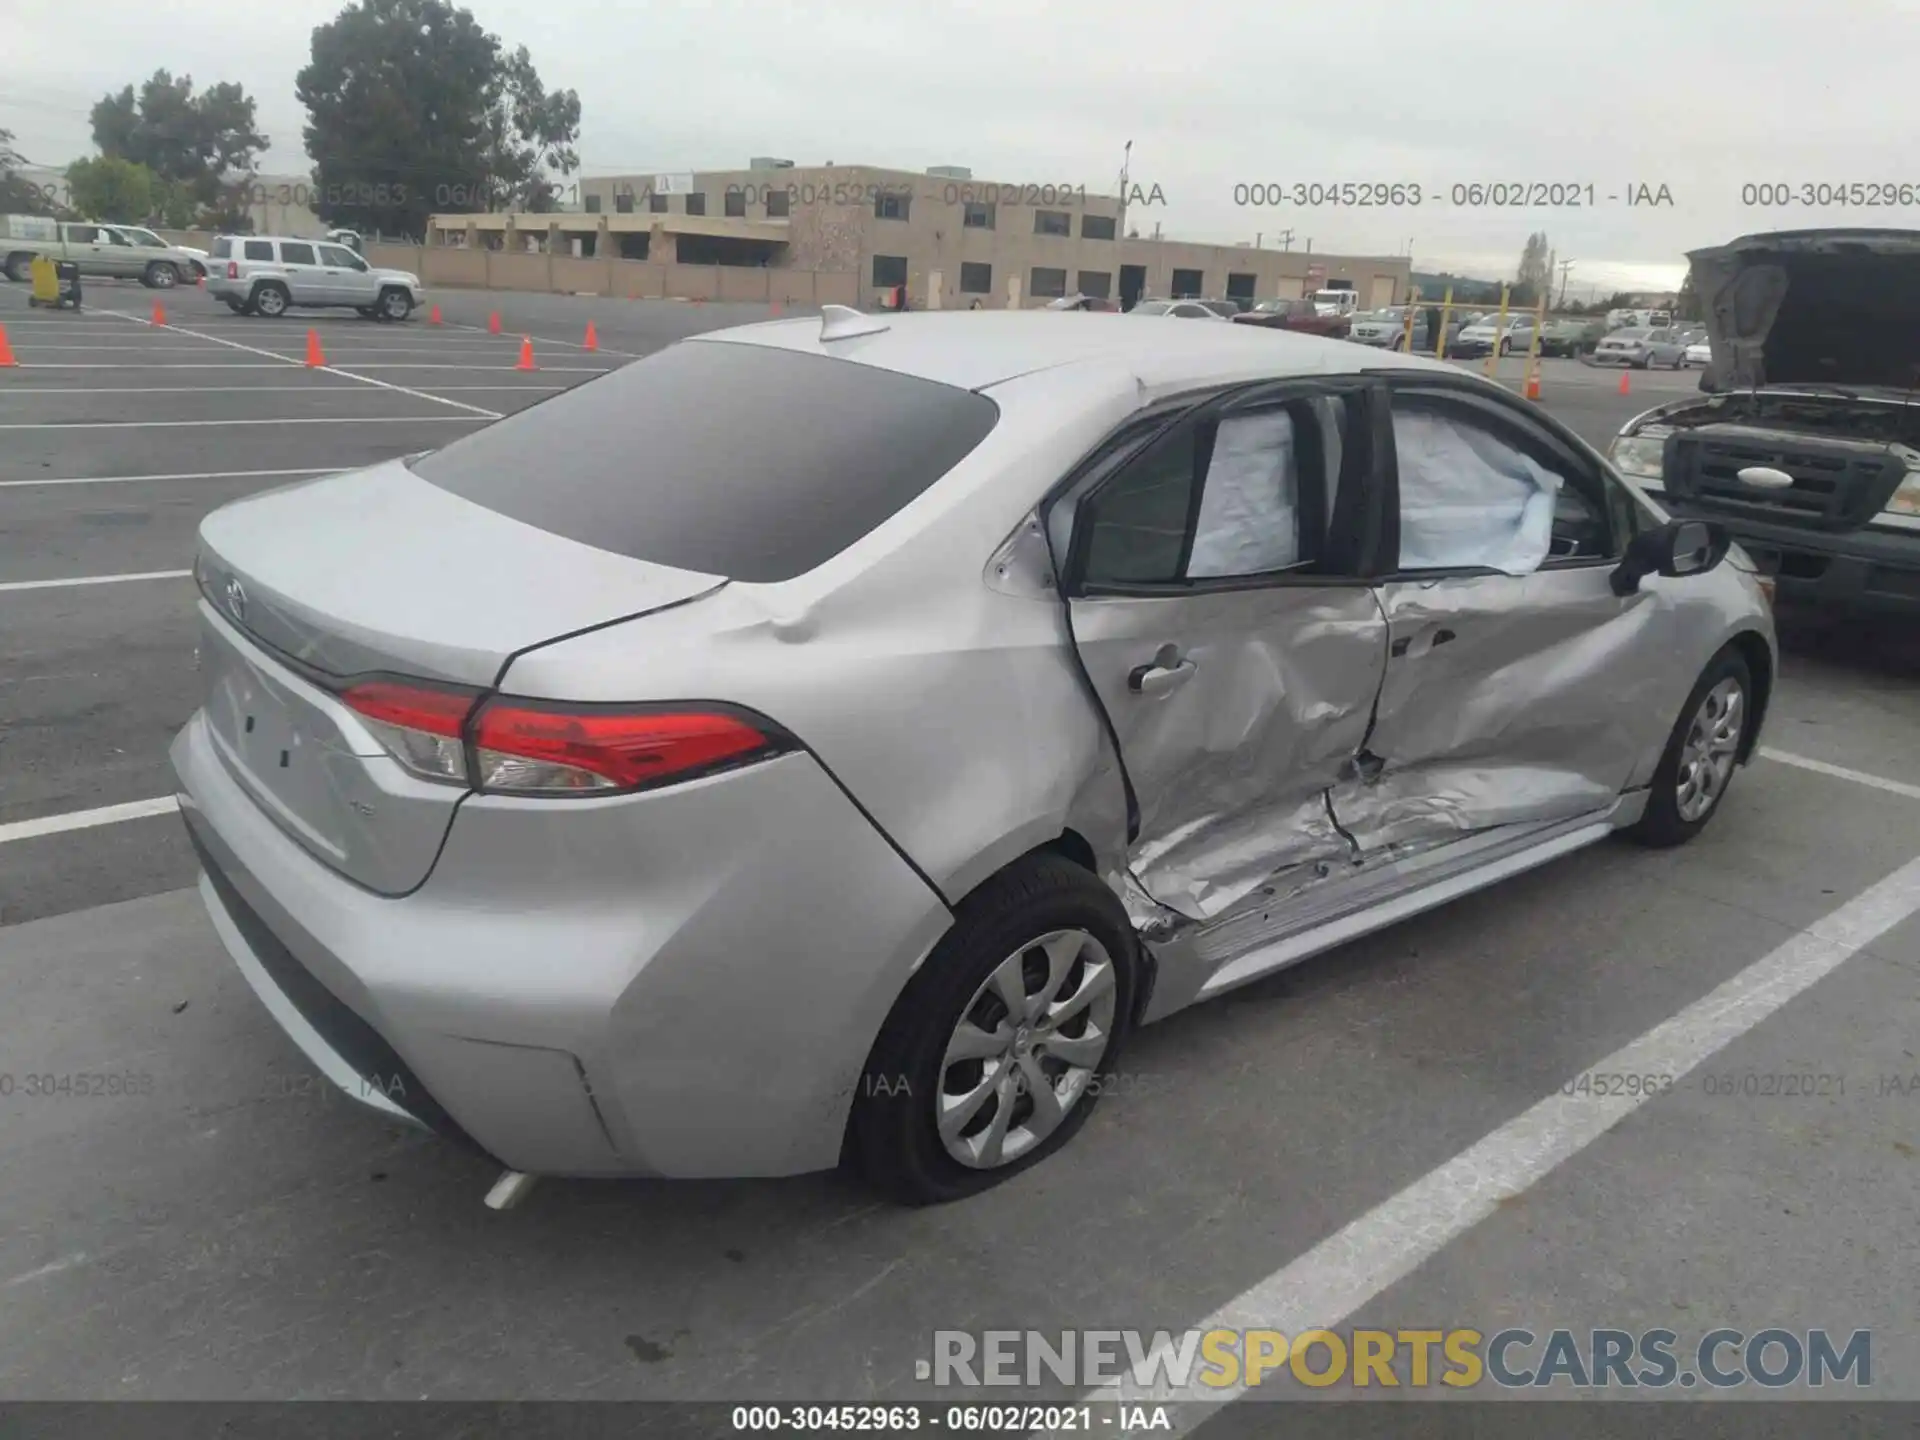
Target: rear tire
{"type": "Point", "coordinates": [1701, 757]}
{"type": "Point", "coordinates": [895, 1135]}
{"type": "Point", "coordinates": [20, 268]}
{"type": "Point", "coordinates": [270, 299]}
{"type": "Point", "coordinates": [160, 276]}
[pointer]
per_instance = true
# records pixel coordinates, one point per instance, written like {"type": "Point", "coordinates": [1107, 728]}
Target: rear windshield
{"type": "Point", "coordinates": [735, 460]}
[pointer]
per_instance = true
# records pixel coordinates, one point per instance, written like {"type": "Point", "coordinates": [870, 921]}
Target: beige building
{"type": "Point", "coordinates": [950, 239]}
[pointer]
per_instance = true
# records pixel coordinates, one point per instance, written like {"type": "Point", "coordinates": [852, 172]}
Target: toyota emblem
{"type": "Point", "coordinates": [236, 598]}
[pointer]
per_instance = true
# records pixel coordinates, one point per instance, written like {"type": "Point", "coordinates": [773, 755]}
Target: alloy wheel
{"type": "Point", "coordinates": [1712, 745]}
{"type": "Point", "coordinates": [1026, 1049]}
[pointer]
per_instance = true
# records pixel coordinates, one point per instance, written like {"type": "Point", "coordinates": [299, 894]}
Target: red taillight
{"type": "Point", "coordinates": [438, 712]}
{"type": "Point", "coordinates": [537, 747]}
{"type": "Point", "coordinates": [420, 725]}
{"type": "Point", "coordinates": [233, 269]}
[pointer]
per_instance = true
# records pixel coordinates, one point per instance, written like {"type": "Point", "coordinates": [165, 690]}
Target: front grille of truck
{"type": "Point", "coordinates": [1838, 485]}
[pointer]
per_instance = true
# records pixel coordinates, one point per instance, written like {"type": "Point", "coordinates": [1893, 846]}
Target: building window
{"type": "Point", "coordinates": [1052, 222]}
{"type": "Point", "coordinates": [656, 204]}
{"type": "Point", "coordinates": [1097, 227]}
{"type": "Point", "coordinates": [1240, 286]}
{"type": "Point", "coordinates": [623, 201]}
{"type": "Point", "coordinates": [1188, 284]}
{"type": "Point", "coordinates": [1097, 283]}
{"type": "Point", "coordinates": [1047, 284]}
{"type": "Point", "coordinates": [889, 270]}
{"type": "Point", "coordinates": [697, 203]}
{"type": "Point", "coordinates": [777, 204]}
{"type": "Point", "coordinates": [593, 205]}
{"type": "Point", "coordinates": [891, 207]}
{"type": "Point", "coordinates": [975, 278]}
{"type": "Point", "coordinates": [736, 202]}
{"type": "Point", "coordinates": [977, 216]}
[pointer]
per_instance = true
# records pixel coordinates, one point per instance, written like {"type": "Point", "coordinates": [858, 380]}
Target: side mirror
{"type": "Point", "coordinates": [1675, 549]}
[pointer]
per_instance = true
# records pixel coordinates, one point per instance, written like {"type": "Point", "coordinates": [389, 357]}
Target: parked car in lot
{"type": "Point", "coordinates": [1227, 309]}
{"type": "Point", "coordinates": [1302, 315]}
{"type": "Point", "coordinates": [141, 236]}
{"type": "Point", "coordinates": [1569, 337]}
{"type": "Point", "coordinates": [1699, 350]}
{"type": "Point", "coordinates": [1488, 334]}
{"type": "Point", "coordinates": [122, 251]}
{"type": "Point", "coordinates": [1806, 440]}
{"type": "Point", "coordinates": [1081, 302]}
{"type": "Point", "coordinates": [851, 783]}
{"type": "Point", "coordinates": [271, 274]}
{"type": "Point", "coordinates": [1641, 349]}
{"type": "Point", "coordinates": [1176, 310]}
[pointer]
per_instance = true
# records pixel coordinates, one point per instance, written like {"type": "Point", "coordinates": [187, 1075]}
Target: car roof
{"type": "Point", "coordinates": [979, 348]}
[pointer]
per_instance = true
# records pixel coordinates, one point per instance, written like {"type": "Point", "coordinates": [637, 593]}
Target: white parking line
{"type": "Point", "coordinates": [545, 340]}
{"type": "Point", "coordinates": [1841, 772]}
{"type": "Point", "coordinates": [141, 347]}
{"type": "Point", "coordinates": [251, 420]}
{"type": "Point", "coordinates": [86, 819]}
{"type": "Point", "coordinates": [543, 370]}
{"type": "Point", "coordinates": [327, 369]}
{"type": "Point", "coordinates": [94, 580]}
{"type": "Point", "coordinates": [1325, 1286]}
{"type": "Point", "coordinates": [171, 365]}
{"type": "Point", "coordinates": [181, 475]}
{"type": "Point", "coordinates": [308, 389]}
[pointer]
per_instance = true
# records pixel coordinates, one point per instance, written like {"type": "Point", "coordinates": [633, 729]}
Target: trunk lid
{"type": "Point", "coordinates": [1835, 306]}
{"type": "Point", "coordinates": [379, 572]}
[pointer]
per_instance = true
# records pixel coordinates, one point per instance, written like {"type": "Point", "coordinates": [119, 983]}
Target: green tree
{"type": "Point", "coordinates": [413, 107]}
{"type": "Point", "coordinates": [1532, 279]}
{"type": "Point", "coordinates": [108, 188]}
{"type": "Point", "coordinates": [1686, 305]}
{"type": "Point", "coordinates": [19, 195]}
{"type": "Point", "coordinates": [200, 143]}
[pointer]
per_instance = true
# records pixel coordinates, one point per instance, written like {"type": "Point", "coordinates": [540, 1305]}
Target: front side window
{"type": "Point", "coordinates": [340, 256]}
{"type": "Point", "coordinates": [1472, 497]}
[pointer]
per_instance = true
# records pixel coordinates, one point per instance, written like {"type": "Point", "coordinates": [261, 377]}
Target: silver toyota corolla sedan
{"type": "Point", "coordinates": [823, 741]}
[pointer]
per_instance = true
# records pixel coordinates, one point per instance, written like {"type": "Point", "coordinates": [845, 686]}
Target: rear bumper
{"type": "Point", "coordinates": [684, 983]}
{"type": "Point", "coordinates": [1866, 570]}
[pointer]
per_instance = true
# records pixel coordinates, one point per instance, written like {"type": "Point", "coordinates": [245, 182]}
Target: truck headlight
{"type": "Point", "coordinates": [1640, 455]}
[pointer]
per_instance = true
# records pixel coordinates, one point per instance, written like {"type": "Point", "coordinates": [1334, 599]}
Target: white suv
{"type": "Point", "coordinates": [269, 274]}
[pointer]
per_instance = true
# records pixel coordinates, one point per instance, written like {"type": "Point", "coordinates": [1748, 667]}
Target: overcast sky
{"type": "Point", "coordinates": [1701, 96]}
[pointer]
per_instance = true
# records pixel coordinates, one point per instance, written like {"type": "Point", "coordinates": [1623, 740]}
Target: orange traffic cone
{"type": "Point", "coordinates": [200, 280]}
{"type": "Point", "coordinates": [315, 360]}
{"type": "Point", "coordinates": [1624, 387]}
{"type": "Point", "coordinates": [526, 354]}
{"type": "Point", "coordinates": [159, 313]}
{"type": "Point", "coordinates": [6, 351]}
{"type": "Point", "coordinates": [493, 323]}
{"type": "Point", "coordinates": [433, 315]}
{"type": "Point", "coordinates": [1533, 386]}
{"type": "Point", "coordinates": [592, 341]}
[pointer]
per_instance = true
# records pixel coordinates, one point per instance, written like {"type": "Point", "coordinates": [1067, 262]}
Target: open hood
{"type": "Point", "coordinates": [1801, 306]}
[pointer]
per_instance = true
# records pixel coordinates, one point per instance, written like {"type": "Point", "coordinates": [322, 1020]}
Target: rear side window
{"type": "Point", "coordinates": [259, 250]}
{"type": "Point", "coordinates": [293, 252]}
{"type": "Point", "coordinates": [736, 460]}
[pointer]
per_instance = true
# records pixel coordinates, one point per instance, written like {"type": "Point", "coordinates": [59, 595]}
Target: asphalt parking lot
{"type": "Point", "coordinates": [1292, 1154]}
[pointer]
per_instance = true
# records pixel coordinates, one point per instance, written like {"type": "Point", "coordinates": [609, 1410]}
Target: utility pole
{"type": "Point", "coordinates": [1565, 266]}
{"type": "Point", "coordinates": [1126, 165]}
{"type": "Point", "coordinates": [1285, 237]}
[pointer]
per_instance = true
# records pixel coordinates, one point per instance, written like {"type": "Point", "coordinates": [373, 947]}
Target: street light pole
{"type": "Point", "coordinates": [1126, 165]}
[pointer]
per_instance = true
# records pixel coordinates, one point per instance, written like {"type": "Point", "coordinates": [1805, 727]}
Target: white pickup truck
{"type": "Point", "coordinates": [127, 251]}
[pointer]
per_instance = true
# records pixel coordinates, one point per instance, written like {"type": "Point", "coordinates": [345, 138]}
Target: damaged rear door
{"type": "Point", "coordinates": [1519, 689]}
{"type": "Point", "coordinates": [1214, 587]}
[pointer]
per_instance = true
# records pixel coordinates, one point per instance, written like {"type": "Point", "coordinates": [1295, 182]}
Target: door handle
{"type": "Point", "coordinates": [1430, 640]}
{"type": "Point", "coordinates": [1160, 677]}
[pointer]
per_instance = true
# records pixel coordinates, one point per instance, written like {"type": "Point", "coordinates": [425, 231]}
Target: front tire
{"type": "Point", "coordinates": [395, 305]}
{"type": "Point", "coordinates": [997, 1050]}
{"type": "Point", "coordinates": [1701, 755]}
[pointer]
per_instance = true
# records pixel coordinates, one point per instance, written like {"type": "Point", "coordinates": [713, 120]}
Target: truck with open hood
{"type": "Point", "coordinates": [1805, 439]}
